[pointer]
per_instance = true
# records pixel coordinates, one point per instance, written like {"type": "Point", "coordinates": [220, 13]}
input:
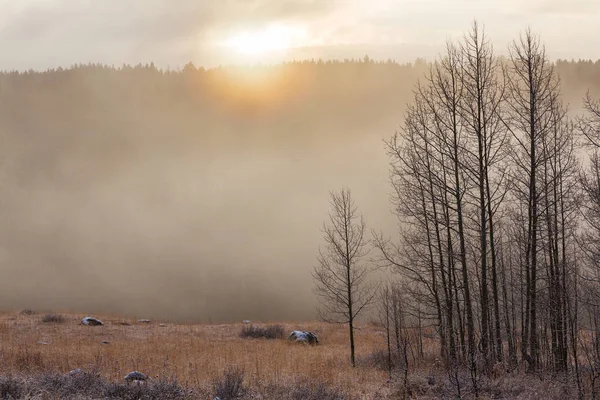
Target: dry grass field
{"type": "Point", "coordinates": [195, 356]}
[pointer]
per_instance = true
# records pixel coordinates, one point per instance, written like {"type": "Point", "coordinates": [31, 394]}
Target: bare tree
{"type": "Point", "coordinates": [590, 125]}
{"type": "Point", "coordinates": [533, 92]}
{"type": "Point", "coordinates": [589, 128]}
{"type": "Point", "coordinates": [384, 311]}
{"type": "Point", "coordinates": [392, 315]}
{"type": "Point", "coordinates": [481, 112]}
{"type": "Point", "coordinates": [485, 179]}
{"type": "Point", "coordinates": [341, 278]}
{"type": "Point", "coordinates": [430, 183]}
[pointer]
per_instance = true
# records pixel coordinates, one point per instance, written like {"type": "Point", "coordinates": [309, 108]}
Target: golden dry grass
{"type": "Point", "coordinates": [192, 354]}
{"type": "Point", "coordinates": [195, 355]}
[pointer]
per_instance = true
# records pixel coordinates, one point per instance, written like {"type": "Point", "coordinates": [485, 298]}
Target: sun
{"type": "Point", "coordinates": [274, 38]}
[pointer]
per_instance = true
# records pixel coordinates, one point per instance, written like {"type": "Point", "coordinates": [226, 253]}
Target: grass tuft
{"type": "Point", "coordinates": [231, 385]}
{"type": "Point", "coordinates": [268, 332]}
{"type": "Point", "coordinates": [53, 319]}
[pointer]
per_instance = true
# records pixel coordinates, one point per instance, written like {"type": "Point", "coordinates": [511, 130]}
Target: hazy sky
{"type": "Point", "coordinates": [46, 33]}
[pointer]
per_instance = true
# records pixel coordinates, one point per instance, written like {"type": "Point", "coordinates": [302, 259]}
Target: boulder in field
{"type": "Point", "coordinates": [89, 321]}
{"type": "Point", "coordinates": [144, 321]}
{"type": "Point", "coordinates": [74, 372]}
{"type": "Point", "coordinates": [136, 376]}
{"type": "Point", "coordinates": [304, 337]}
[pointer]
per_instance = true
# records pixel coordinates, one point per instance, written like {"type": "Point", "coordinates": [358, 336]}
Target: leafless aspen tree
{"type": "Point", "coordinates": [482, 111]}
{"type": "Point", "coordinates": [430, 183]}
{"type": "Point", "coordinates": [341, 276]}
{"type": "Point", "coordinates": [533, 92]}
{"type": "Point", "coordinates": [385, 318]}
{"type": "Point", "coordinates": [392, 314]}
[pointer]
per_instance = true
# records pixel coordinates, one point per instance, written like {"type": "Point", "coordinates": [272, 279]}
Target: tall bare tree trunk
{"type": "Point", "coordinates": [533, 88]}
{"type": "Point", "coordinates": [512, 355]}
{"type": "Point", "coordinates": [341, 280]}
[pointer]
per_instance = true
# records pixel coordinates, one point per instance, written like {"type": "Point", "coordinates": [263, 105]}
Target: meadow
{"type": "Point", "coordinates": [193, 355]}
{"type": "Point", "coordinates": [192, 361]}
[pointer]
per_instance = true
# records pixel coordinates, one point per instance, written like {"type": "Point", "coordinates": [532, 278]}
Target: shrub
{"type": "Point", "coordinates": [307, 390]}
{"type": "Point", "coordinates": [84, 383]}
{"type": "Point", "coordinates": [166, 390]}
{"type": "Point", "coordinates": [268, 332]}
{"type": "Point", "coordinates": [27, 311]}
{"type": "Point", "coordinates": [231, 385]}
{"type": "Point", "coordinates": [53, 319]}
{"type": "Point", "coordinates": [159, 390]}
{"type": "Point", "coordinates": [88, 385]}
{"type": "Point", "coordinates": [379, 359]}
{"type": "Point", "coordinates": [10, 388]}
{"type": "Point", "coordinates": [303, 389]}
{"type": "Point", "coordinates": [123, 391]}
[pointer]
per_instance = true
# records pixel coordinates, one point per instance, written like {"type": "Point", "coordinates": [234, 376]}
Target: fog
{"type": "Point", "coordinates": [185, 202]}
{"type": "Point", "coordinates": [52, 33]}
{"type": "Point", "coordinates": [195, 195]}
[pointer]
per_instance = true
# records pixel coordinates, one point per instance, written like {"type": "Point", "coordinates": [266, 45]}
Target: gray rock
{"type": "Point", "coordinates": [144, 321]}
{"type": "Point", "coordinates": [135, 376]}
{"type": "Point", "coordinates": [89, 321]}
{"type": "Point", "coordinates": [105, 342]}
{"type": "Point", "coordinates": [304, 337]}
{"type": "Point", "coordinates": [76, 372]}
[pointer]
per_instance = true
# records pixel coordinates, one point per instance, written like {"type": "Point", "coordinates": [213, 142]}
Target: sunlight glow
{"type": "Point", "coordinates": [272, 39]}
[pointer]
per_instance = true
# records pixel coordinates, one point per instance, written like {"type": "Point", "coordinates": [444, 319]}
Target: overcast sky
{"type": "Point", "coordinates": [48, 33]}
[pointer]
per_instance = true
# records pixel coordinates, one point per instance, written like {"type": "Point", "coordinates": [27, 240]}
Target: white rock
{"type": "Point", "coordinates": [89, 321]}
{"type": "Point", "coordinates": [304, 337]}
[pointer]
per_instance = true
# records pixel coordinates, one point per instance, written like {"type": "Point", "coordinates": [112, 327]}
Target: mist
{"type": "Point", "coordinates": [195, 195]}
{"type": "Point", "coordinates": [175, 203]}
